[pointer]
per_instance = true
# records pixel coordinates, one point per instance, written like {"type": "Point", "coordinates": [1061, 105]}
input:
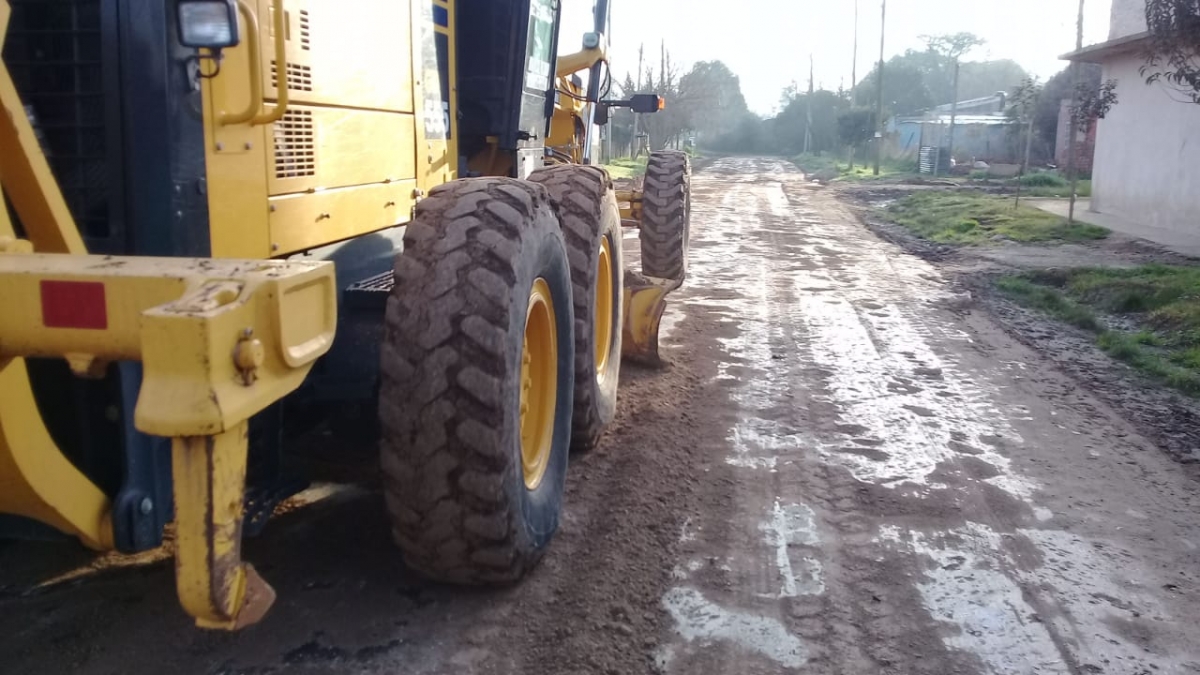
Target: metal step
{"type": "Point", "coordinates": [370, 293]}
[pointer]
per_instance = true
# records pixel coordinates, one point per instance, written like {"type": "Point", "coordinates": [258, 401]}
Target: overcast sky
{"type": "Point", "coordinates": [767, 42]}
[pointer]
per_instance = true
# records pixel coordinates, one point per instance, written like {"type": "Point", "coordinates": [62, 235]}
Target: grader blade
{"type": "Point", "coordinates": [645, 301]}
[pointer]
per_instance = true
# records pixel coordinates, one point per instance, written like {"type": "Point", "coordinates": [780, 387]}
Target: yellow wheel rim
{"type": "Point", "coordinates": [604, 308]}
{"type": "Point", "coordinates": [539, 384]}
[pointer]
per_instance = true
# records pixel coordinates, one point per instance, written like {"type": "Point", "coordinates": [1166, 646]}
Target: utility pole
{"type": "Point", "coordinates": [953, 117]}
{"type": "Point", "coordinates": [879, 90]}
{"type": "Point", "coordinates": [1075, 72]}
{"type": "Point", "coordinates": [634, 143]}
{"type": "Point", "coordinates": [808, 107]}
{"type": "Point", "coordinates": [854, 57]}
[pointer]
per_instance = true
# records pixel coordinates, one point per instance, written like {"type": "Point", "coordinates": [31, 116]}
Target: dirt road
{"type": "Point", "coordinates": [844, 470]}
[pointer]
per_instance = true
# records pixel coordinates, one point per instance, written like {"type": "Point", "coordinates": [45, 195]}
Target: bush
{"type": "Point", "coordinates": [979, 174]}
{"type": "Point", "coordinates": [1044, 179]}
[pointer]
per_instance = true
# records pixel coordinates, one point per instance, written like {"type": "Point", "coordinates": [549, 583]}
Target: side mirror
{"type": "Point", "coordinates": [600, 116]}
{"type": "Point", "coordinates": [208, 24]}
{"type": "Point", "coordinates": [647, 103]}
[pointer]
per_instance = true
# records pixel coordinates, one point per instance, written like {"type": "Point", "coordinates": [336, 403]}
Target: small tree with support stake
{"type": "Point", "coordinates": [1024, 102]}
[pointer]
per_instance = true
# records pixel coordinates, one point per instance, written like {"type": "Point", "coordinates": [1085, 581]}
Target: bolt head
{"type": "Point", "coordinates": [146, 506]}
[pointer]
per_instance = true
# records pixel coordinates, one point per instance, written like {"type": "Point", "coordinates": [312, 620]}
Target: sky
{"type": "Point", "coordinates": [767, 42]}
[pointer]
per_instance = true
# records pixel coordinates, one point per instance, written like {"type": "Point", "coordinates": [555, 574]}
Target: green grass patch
{"type": "Point", "coordinates": [1158, 307]}
{"type": "Point", "coordinates": [627, 167]}
{"type": "Point", "coordinates": [1062, 191]}
{"type": "Point", "coordinates": [970, 218]}
{"type": "Point", "coordinates": [1044, 179]}
{"type": "Point", "coordinates": [832, 168]}
{"type": "Point", "coordinates": [814, 164]}
{"type": "Point", "coordinates": [1048, 300]}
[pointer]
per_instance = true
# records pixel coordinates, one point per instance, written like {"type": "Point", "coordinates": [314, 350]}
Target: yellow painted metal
{"type": "Point", "coordinates": [364, 62]}
{"type": "Point", "coordinates": [219, 341]}
{"type": "Point", "coordinates": [437, 144]}
{"type": "Point", "coordinates": [629, 202]}
{"type": "Point", "coordinates": [604, 306]}
{"type": "Point", "coordinates": [342, 117]}
{"type": "Point", "coordinates": [567, 127]}
{"type": "Point", "coordinates": [319, 147]}
{"type": "Point", "coordinates": [36, 480]}
{"type": "Point", "coordinates": [237, 165]}
{"type": "Point", "coordinates": [182, 318]}
{"type": "Point", "coordinates": [27, 180]}
{"type": "Point", "coordinates": [254, 56]}
{"type": "Point", "coordinates": [539, 384]}
{"type": "Point", "coordinates": [580, 60]}
{"type": "Point", "coordinates": [307, 220]}
{"type": "Point", "coordinates": [645, 301]}
{"type": "Point", "coordinates": [278, 30]}
{"type": "Point", "coordinates": [214, 585]}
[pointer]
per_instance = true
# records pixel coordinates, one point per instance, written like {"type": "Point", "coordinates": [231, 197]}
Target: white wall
{"type": "Point", "coordinates": [1128, 17]}
{"type": "Point", "coordinates": [1147, 163]}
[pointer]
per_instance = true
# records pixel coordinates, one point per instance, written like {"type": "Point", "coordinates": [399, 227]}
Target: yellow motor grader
{"type": "Point", "coordinates": [223, 215]}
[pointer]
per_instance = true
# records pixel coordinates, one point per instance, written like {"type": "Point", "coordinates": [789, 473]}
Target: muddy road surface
{"type": "Point", "coordinates": [844, 469]}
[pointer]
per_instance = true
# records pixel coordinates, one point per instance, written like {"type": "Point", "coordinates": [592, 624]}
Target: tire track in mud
{"type": "Point", "coordinates": [899, 472]}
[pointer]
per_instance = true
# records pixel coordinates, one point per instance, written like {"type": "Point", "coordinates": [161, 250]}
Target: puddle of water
{"type": "Point", "coordinates": [993, 603]}
{"type": "Point", "coordinates": [885, 378]}
{"type": "Point", "coordinates": [701, 621]}
{"type": "Point", "coordinates": [794, 525]}
{"type": "Point", "coordinates": [987, 608]}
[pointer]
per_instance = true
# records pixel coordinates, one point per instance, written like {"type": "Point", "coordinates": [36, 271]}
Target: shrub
{"type": "Point", "coordinates": [1044, 179]}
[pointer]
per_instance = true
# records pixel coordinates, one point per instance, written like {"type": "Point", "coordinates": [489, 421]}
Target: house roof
{"type": "Point", "coordinates": [969, 103]}
{"type": "Point", "coordinates": [958, 119]}
{"type": "Point", "coordinates": [1099, 53]}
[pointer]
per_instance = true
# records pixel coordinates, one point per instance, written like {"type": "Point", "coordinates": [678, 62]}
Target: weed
{"type": "Point", "coordinates": [969, 218]}
{"type": "Point", "coordinates": [1163, 301]}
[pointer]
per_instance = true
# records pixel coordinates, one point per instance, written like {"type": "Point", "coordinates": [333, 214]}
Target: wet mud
{"type": "Point", "coordinates": [840, 470]}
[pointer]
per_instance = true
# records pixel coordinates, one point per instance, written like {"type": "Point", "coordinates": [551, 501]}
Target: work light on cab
{"type": "Point", "coordinates": [208, 24]}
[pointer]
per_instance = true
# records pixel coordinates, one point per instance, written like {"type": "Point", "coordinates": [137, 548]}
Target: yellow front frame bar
{"type": "Point", "coordinates": [219, 341]}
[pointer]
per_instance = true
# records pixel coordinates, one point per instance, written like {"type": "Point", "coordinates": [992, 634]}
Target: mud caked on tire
{"type": "Point", "coordinates": [477, 382]}
{"type": "Point", "coordinates": [587, 210]}
{"type": "Point", "coordinates": [666, 215]}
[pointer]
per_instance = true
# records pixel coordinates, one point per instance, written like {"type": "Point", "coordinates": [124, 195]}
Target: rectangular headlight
{"type": "Point", "coordinates": [209, 24]}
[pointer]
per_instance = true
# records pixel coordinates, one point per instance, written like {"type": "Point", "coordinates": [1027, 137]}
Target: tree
{"type": "Point", "coordinates": [856, 126]}
{"type": "Point", "coordinates": [1173, 55]}
{"type": "Point", "coordinates": [978, 79]}
{"type": "Point", "coordinates": [904, 89]}
{"type": "Point", "coordinates": [953, 47]}
{"type": "Point", "coordinates": [1023, 104]}
{"type": "Point", "coordinates": [789, 125]}
{"type": "Point", "coordinates": [1092, 102]}
{"type": "Point", "coordinates": [711, 97]}
{"type": "Point", "coordinates": [1045, 114]}
{"type": "Point", "coordinates": [748, 134]}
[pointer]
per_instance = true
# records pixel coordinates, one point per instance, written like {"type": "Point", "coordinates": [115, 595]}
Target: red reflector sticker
{"type": "Point", "coordinates": [74, 304]}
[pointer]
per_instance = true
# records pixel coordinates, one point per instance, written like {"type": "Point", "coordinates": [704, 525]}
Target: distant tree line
{"type": "Point", "coordinates": [707, 103]}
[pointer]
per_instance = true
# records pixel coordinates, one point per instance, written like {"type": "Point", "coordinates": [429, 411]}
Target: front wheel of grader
{"type": "Point", "coordinates": [665, 228]}
{"type": "Point", "coordinates": [477, 382]}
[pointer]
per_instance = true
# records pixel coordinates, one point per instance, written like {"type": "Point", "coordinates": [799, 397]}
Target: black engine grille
{"type": "Point", "coordinates": [55, 52]}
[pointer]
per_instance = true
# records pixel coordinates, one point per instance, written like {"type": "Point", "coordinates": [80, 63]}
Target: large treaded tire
{"type": "Point", "coordinates": [587, 210]}
{"type": "Point", "coordinates": [666, 215]}
{"type": "Point", "coordinates": [451, 374]}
